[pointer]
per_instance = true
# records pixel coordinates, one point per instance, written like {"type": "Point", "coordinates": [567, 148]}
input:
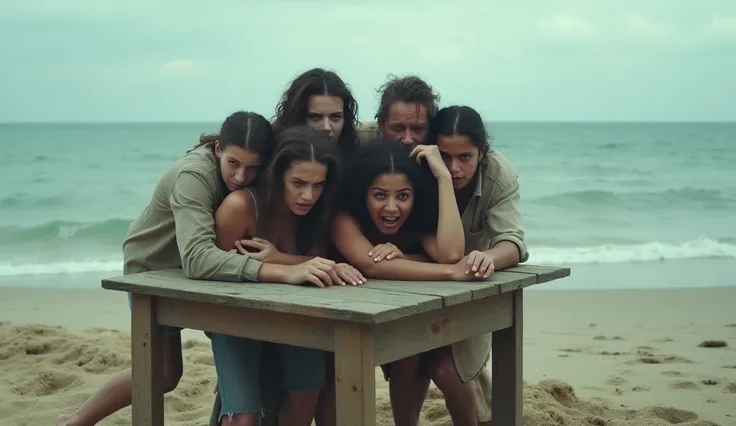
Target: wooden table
{"type": "Point", "coordinates": [365, 326]}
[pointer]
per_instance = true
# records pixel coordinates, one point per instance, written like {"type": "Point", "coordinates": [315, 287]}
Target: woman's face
{"type": "Point", "coordinates": [461, 158]}
{"type": "Point", "coordinates": [238, 166]}
{"type": "Point", "coordinates": [389, 200]}
{"type": "Point", "coordinates": [325, 113]}
{"type": "Point", "coordinates": [303, 182]}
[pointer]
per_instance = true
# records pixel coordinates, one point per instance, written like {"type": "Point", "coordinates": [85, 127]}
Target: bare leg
{"type": "Point", "coordinates": [240, 419]}
{"type": "Point", "coordinates": [299, 408]}
{"type": "Point", "coordinates": [459, 397]}
{"type": "Point", "coordinates": [116, 394]}
{"type": "Point", "coordinates": [407, 389]}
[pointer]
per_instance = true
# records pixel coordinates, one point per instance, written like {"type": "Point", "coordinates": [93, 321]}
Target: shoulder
{"type": "Point", "coordinates": [195, 171]}
{"type": "Point", "coordinates": [238, 202]}
{"type": "Point", "coordinates": [199, 160]}
{"type": "Point", "coordinates": [499, 175]}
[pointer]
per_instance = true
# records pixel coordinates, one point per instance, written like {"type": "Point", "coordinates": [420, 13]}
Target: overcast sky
{"type": "Point", "coordinates": [187, 60]}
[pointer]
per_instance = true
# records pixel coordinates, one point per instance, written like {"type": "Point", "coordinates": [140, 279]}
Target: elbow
{"type": "Point", "coordinates": [191, 266]}
{"type": "Point", "coordinates": [371, 271]}
{"type": "Point", "coordinates": [450, 257]}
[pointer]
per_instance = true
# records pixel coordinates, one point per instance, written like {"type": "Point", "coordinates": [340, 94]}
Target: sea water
{"type": "Point", "coordinates": [623, 204]}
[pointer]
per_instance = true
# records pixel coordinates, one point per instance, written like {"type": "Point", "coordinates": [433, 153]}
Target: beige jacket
{"type": "Point", "coordinates": [493, 215]}
{"type": "Point", "coordinates": [177, 228]}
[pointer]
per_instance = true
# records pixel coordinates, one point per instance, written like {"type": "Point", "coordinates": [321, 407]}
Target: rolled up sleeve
{"type": "Point", "coordinates": [192, 203]}
{"type": "Point", "coordinates": [504, 219]}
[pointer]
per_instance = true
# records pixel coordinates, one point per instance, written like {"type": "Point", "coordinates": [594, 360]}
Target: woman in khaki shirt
{"type": "Point", "coordinates": [176, 230]}
{"type": "Point", "coordinates": [487, 196]}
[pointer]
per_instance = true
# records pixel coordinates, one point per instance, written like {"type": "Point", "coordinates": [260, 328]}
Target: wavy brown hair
{"type": "Point", "coordinates": [301, 143]}
{"type": "Point", "coordinates": [292, 108]}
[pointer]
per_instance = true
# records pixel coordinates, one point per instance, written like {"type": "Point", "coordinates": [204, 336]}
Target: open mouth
{"type": "Point", "coordinates": [389, 221]}
{"type": "Point", "coordinates": [302, 206]}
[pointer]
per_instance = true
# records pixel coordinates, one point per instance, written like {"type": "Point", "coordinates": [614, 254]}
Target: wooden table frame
{"type": "Point", "coordinates": [366, 326]}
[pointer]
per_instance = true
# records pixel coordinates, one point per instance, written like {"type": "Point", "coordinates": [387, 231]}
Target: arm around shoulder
{"type": "Point", "coordinates": [192, 202]}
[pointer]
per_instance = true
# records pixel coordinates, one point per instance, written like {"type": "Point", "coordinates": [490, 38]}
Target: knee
{"type": "Point", "coordinates": [172, 373]}
{"type": "Point", "coordinates": [304, 399]}
{"type": "Point", "coordinates": [239, 419]}
{"type": "Point", "coordinates": [443, 372]}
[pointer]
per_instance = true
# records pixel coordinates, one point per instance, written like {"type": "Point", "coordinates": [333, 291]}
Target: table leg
{"type": "Point", "coordinates": [147, 353]}
{"type": "Point", "coordinates": [507, 369]}
{"type": "Point", "coordinates": [355, 375]}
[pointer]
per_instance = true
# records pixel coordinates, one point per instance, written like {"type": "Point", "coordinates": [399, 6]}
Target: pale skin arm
{"type": "Point", "coordinates": [232, 229]}
{"type": "Point", "coordinates": [354, 245]}
{"type": "Point", "coordinates": [234, 220]}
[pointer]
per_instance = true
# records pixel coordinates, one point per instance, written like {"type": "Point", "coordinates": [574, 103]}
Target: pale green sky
{"type": "Point", "coordinates": [189, 60]}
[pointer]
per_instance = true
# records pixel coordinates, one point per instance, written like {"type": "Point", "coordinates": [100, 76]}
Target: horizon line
{"type": "Point", "coordinates": [587, 121]}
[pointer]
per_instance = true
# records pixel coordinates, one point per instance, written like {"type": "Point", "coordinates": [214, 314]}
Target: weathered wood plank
{"type": "Point", "coordinates": [454, 292]}
{"type": "Point", "coordinates": [451, 292]}
{"type": "Point", "coordinates": [544, 273]}
{"type": "Point", "coordinates": [147, 356]}
{"type": "Point", "coordinates": [340, 303]}
{"type": "Point", "coordinates": [355, 375]}
{"type": "Point", "coordinates": [429, 330]}
{"type": "Point", "coordinates": [375, 302]}
{"type": "Point", "coordinates": [507, 366]}
{"type": "Point", "coordinates": [292, 329]}
{"type": "Point", "coordinates": [268, 297]}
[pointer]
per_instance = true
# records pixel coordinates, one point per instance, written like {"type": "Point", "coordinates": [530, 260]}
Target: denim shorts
{"type": "Point", "coordinates": [168, 331]}
{"type": "Point", "coordinates": [237, 363]}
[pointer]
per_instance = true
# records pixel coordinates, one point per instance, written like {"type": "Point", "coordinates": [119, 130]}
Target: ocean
{"type": "Point", "coordinates": [625, 205]}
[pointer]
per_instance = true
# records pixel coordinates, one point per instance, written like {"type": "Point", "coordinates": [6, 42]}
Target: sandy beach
{"type": "Point", "coordinates": [624, 357]}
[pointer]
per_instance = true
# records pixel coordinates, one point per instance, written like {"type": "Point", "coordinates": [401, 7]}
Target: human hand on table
{"type": "Point", "coordinates": [318, 271]}
{"type": "Point", "coordinates": [349, 275]}
{"type": "Point", "coordinates": [479, 264]}
{"type": "Point", "coordinates": [476, 266]}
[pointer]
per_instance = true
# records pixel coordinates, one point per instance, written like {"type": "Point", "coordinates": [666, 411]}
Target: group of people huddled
{"type": "Point", "coordinates": [316, 198]}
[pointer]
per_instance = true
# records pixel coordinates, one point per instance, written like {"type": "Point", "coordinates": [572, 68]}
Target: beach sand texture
{"type": "Point", "coordinates": [591, 358]}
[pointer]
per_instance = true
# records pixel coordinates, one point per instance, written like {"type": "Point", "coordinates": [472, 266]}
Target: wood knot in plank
{"type": "Point", "coordinates": [438, 325]}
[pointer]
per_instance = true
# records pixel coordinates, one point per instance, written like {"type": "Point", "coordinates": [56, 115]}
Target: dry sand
{"type": "Point", "coordinates": [591, 358]}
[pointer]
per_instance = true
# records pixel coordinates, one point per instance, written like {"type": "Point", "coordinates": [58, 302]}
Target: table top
{"type": "Point", "coordinates": [376, 301]}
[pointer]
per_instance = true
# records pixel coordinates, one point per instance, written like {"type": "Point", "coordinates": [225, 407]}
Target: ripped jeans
{"type": "Point", "coordinates": [237, 362]}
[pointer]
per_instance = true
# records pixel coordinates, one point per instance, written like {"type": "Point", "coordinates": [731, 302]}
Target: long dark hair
{"type": "Point", "coordinates": [292, 108]}
{"type": "Point", "coordinates": [245, 129]}
{"type": "Point", "coordinates": [461, 120]}
{"type": "Point", "coordinates": [301, 143]}
{"type": "Point", "coordinates": [376, 158]}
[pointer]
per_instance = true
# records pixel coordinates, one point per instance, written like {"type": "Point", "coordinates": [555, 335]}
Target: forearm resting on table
{"type": "Point", "coordinates": [504, 254]}
{"type": "Point", "coordinates": [290, 259]}
{"type": "Point", "coordinates": [419, 257]}
{"type": "Point", "coordinates": [271, 273]}
{"type": "Point", "coordinates": [405, 269]}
